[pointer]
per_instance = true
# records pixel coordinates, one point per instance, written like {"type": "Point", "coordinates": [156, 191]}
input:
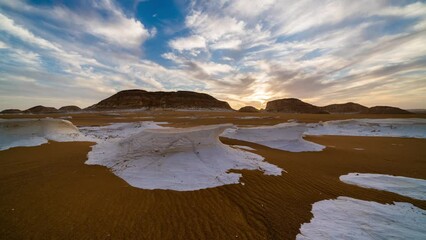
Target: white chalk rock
{"type": "Point", "coordinates": [178, 159]}
{"type": "Point", "coordinates": [410, 127]}
{"type": "Point", "coordinates": [348, 218]}
{"type": "Point", "coordinates": [410, 187]}
{"type": "Point", "coordinates": [284, 136]}
{"type": "Point", "coordinates": [34, 132]}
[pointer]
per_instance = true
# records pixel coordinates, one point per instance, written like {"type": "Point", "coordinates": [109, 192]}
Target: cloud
{"type": "Point", "coordinates": [254, 9]}
{"type": "Point", "coordinates": [227, 44]}
{"type": "Point", "coordinates": [212, 27]}
{"type": "Point", "coordinates": [7, 25]}
{"type": "Point", "coordinates": [416, 9]}
{"type": "Point", "coordinates": [112, 26]}
{"type": "Point", "coordinates": [214, 68]}
{"type": "Point", "coordinates": [102, 19]}
{"type": "Point", "coordinates": [77, 69]}
{"type": "Point", "coordinates": [309, 49]}
{"type": "Point", "coordinates": [322, 51]}
{"type": "Point", "coordinates": [188, 43]}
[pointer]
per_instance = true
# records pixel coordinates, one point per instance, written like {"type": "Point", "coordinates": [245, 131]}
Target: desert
{"type": "Point", "coordinates": [212, 120]}
{"type": "Point", "coordinates": [150, 172]}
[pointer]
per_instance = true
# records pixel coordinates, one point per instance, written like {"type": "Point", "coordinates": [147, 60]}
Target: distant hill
{"type": "Point", "coordinates": [417, 110]}
{"type": "Point", "coordinates": [141, 99]}
{"type": "Point", "coordinates": [41, 109]}
{"type": "Point", "coordinates": [11, 111]}
{"type": "Point", "coordinates": [386, 110]}
{"type": "Point", "coordinates": [248, 109]}
{"type": "Point", "coordinates": [70, 108]}
{"type": "Point", "coordinates": [135, 99]}
{"type": "Point", "coordinates": [292, 105]}
{"type": "Point", "coordinates": [349, 107]}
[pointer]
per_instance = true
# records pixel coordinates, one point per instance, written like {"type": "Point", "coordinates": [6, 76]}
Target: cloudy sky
{"type": "Point", "coordinates": [62, 52]}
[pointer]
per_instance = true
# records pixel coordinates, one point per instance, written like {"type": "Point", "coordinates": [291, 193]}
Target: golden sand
{"type": "Point", "coordinates": [47, 192]}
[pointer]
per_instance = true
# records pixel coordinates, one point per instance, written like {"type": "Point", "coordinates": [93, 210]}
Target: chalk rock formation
{"type": "Point", "coordinates": [178, 159]}
{"type": "Point", "coordinates": [34, 132]}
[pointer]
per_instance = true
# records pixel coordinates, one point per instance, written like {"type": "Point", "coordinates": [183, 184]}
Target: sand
{"type": "Point", "coordinates": [47, 192]}
{"type": "Point", "coordinates": [182, 118]}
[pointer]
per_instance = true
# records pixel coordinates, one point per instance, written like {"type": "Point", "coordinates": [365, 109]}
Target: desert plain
{"type": "Point", "coordinates": [47, 192]}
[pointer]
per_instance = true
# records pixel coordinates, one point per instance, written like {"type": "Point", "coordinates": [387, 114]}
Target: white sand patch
{"type": "Point", "coordinates": [178, 159]}
{"type": "Point", "coordinates": [413, 128]}
{"type": "Point", "coordinates": [214, 117]}
{"type": "Point", "coordinates": [117, 130]}
{"type": "Point", "coordinates": [188, 117]}
{"type": "Point", "coordinates": [348, 218]}
{"type": "Point", "coordinates": [110, 114]}
{"type": "Point", "coordinates": [34, 132]}
{"type": "Point", "coordinates": [143, 117]}
{"type": "Point", "coordinates": [244, 147]}
{"type": "Point", "coordinates": [359, 149]}
{"type": "Point", "coordinates": [410, 187]}
{"type": "Point", "coordinates": [249, 117]}
{"type": "Point", "coordinates": [289, 136]}
{"type": "Point", "coordinates": [284, 136]}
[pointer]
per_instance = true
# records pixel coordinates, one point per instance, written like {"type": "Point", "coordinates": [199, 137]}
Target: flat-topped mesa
{"type": "Point", "coordinates": [41, 109]}
{"type": "Point", "coordinates": [349, 107]}
{"type": "Point", "coordinates": [386, 110]}
{"type": "Point", "coordinates": [292, 105]}
{"type": "Point", "coordinates": [248, 109]}
{"type": "Point", "coordinates": [135, 99]}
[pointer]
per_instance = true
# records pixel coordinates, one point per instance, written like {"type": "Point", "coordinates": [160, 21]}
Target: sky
{"type": "Point", "coordinates": [57, 53]}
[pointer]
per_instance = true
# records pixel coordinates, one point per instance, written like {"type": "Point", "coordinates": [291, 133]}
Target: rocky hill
{"type": "Point", "coordinates": [349, 107]}
{"type": "Point", "coordinates": [70, 108]}
{"type": "Point", "coordinates": [41, 109]}
{"type": "Point", "coordinates": [292, 105]}
{"type": "Point", "coordinates": [135, 99]}
{"type": "Point", "coordinates": [386, 110]}
{"type": "Point", "coordinates": [11, 111]}
{"type": "Point", "coordinates": [248, 109]}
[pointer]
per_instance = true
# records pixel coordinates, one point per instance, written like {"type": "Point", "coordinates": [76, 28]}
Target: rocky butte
{"type": "Point", "coordinates": [136, 99]}
{"type": "Point", "coordinates": [70, 108]}
{"type": "Point", "coordinates": [41, 109]}
{"type": "Point", "coordinates": [292, 105]}
{"type": "Point", "coordinates": [386, 110]}
{"type": "Point", "coordinates": [349, 107]}
{"type": "Point", "coordinates": [250, 109]}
